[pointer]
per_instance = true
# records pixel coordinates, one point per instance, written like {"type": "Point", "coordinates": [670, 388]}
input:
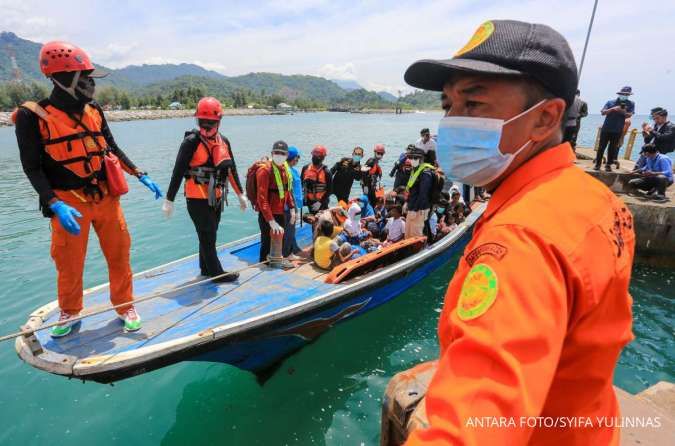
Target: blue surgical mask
{"type": "Point", "coordinates": [468, 148]}
{"type": "Point", "coordinates": [357, 158]}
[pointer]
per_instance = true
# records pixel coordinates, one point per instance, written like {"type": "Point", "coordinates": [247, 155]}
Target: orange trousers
{"type": "Point", "coordinates": [69, 251]}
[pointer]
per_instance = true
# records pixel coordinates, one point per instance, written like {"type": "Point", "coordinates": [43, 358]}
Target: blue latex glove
{"type": "Point", "coordinates": [66, 215]}
{"type": "Point", "coordinates": [151, 185]}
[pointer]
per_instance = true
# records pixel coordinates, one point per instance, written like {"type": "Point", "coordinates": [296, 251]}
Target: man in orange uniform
{"type": "Point", "coordinates": [538, 310]}
{"type": "Point", "coordinates": [62, 142]}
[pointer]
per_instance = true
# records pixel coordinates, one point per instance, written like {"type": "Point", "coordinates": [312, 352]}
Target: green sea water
{"type": "Point", "coordinates": [328, 393]}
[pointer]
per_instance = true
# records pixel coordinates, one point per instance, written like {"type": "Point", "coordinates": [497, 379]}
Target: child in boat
{"type": "Point", "coordinates": [352, 232]}
{"type": "Point", "coordinates": [395, 227]}
{"type": "Point", "coordinates": [325, 246]}
{"type": "Point", "coordinates": [376, 227]}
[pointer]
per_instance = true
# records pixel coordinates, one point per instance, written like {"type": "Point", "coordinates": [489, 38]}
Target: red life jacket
{"type": "Point", "coordinates": [315, 181]}
{"type": "Point", "coordinates": [217, 151]}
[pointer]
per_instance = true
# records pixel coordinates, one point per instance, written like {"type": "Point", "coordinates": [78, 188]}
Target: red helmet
{"type": "Point", "coordinates": [57, 57]}
{"type": "Point", "coordinates": [379, 148]}
{"type": "Point", "coordinates": [209, 108]}
{"type": "Point", "coordinates": [319, 150]}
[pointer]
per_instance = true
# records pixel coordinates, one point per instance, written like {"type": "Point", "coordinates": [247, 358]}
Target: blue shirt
{"type": "Point", "coordinates": [297, 188]}
{"type": "Point", "coordinates": [614, 121]}
{"type": "Point", "coordinates": [660, 164]}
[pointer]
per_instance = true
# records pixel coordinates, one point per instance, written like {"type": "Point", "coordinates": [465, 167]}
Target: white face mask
{"type": "Point", "coordinates": [414, 162]}
{"type": "Point", "coordinates": [468, 148]}
{"type": "Point", "coordinates": [279, 160]}
{"type": "Point", "coordinates": [623, 97]}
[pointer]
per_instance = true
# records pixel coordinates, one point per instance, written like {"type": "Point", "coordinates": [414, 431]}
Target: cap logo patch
{"type": "Point", "coordinates": [478, 293]}
{"type": "Point", "coordinates": [483, 32]}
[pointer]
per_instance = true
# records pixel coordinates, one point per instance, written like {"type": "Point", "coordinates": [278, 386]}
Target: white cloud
{"type": "Point", "coordinates": [340, 72]}
{"type": "Point", "coordinates": [370, 42]}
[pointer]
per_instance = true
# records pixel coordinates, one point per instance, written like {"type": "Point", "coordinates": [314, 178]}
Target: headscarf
{"type": "Point", "coordinates": [352, 225]}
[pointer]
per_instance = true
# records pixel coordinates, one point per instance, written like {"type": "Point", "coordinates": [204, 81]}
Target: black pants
{"type": "Point", "coordinates": [570, 135]}
{"type": "Point", "coordinates": [660, 182]}
{"type": "Point", "coordinates": [206, 220]}
{"type": "Point", "coordinates": [265, 238]}
{"type": "Point", "coordinates": [611, 141]}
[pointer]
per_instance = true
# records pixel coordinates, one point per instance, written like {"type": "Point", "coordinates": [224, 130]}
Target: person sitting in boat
{"type": "Point", "coordinates": [206, 161]}
{"type": "Point", "coordinates": [457, 207]}
{"type": "Point", "coordinates": [344, 173]}
{"type": "Point", "coordinates": [395, 228]}
{"type": "Point", "coordinates": [273, 186]}
{"type": "Point", "coordinates": [352, 232]}
{"type": "Point", "coordinates": [376, 227]}
{"type": "Point", "coordinates": [402, 168]}
{"type": "Point", "coordinates": [72, 161]}
{"type": "Point", "coordinates": [367, 212]}
{"type": "Point", "coordinates": [316, 181]}
{"type": "Point", "coordinates": [325, 246]}
{"type": "Point", "coordinates": [371, 173]}
{"type": "Point", "coordinates": [419, 194]}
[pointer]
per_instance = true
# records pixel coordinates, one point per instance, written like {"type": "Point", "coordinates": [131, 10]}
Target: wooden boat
{"type": "Point", "coordinates": [251, 324]}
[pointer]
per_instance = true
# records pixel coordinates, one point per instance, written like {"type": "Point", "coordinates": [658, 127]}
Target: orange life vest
{"type": "Point", "coordinates": [69, 144]}
{"type": "Point", "coordinates": [315, 182]}
{"type": "Point", "coordinates": [217, 151]}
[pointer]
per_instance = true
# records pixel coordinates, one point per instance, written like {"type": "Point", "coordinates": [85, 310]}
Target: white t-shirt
{"type": "Point", "coordinates": [426, 146]}
{"type": "Point", "coordinates": [396, 228]}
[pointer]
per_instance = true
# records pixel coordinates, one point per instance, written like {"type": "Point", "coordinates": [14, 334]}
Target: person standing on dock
{"type": "Point", "coordinates": [206, 161]}
{"type": "Point", "coordinates": [616, 112]}
{"type": "Point", "coordinates": [662, 134]}
{"type": "Point", "coordinates": [538, 310]}
{"type": "Point", "coordinates": [578, 110]}
{"type": "Point", "coordinates": [274, 193]}
{"type": "Point", "coordinates": [72, 161]}
{"type": "Point", "coordinates": [344, 173]}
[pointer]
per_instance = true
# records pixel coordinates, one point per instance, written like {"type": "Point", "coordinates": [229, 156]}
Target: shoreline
{"type": "Point", "coordinates": [141, 115]}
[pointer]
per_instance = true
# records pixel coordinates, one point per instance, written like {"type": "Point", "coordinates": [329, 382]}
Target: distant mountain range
{"type": "Point", "coordinates": [18, 60]}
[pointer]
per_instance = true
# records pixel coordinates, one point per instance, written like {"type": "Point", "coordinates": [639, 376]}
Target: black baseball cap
{"type": "Point", "coordinates": [509, 48]}
{"type": "Point", "coordinates": [424, 131]}
{"type": "Point", "coordinates": [280, 146]}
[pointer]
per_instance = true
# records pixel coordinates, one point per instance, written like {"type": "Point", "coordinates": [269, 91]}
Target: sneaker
{"type": "Point", "coordinates": [132, 321]}
{"type": "Point", "coordinates": [659, 198]}
{"type": "Point", "coordinates": [617, 165]}
{"type": "Point", "coordinates": [652, 191]}
{"type": "Point", "coordinates": [596, 167]}
{"type": "Point", "coordinates": [226, 277]}
{"type": "Point", "coordinates": [63, 329]}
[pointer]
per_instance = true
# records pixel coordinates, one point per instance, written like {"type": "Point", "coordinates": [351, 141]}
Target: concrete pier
{"type": "Point", "coordinates": [647, 419]}
{"type": "Point", "coordinates": [655, 244]}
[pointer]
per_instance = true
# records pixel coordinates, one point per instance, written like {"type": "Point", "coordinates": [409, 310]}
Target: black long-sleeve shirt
{"type": "Point", "coordinates": [662, 137]}
{"type": "Point", "coordinates": [186, 152]}
{"type": "Point", "coordinates": [42, 171]}
{"type": "Point", "coordinates": [343, 174]}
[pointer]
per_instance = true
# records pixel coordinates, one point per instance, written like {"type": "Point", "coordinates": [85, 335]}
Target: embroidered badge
{"type": "Point", "coordinates": [490, 249]}
{"type": "Point", "coordinates": [483, 32]}
{"type": "Point", "coordinates": [478, 293]}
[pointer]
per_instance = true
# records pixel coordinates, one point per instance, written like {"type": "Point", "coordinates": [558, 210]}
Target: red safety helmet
{"type": "Point", "coordinates": [209, 108]}
{"type": "Point", "coordinates": [59, 57]}
{"type": "Point", "coordinates": [319, 150]}
{"type": "Point", "coordinates": [379, 148]}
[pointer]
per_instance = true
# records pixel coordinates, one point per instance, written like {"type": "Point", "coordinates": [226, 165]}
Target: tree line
{"type": "Point", "coordinates": [13, 94]}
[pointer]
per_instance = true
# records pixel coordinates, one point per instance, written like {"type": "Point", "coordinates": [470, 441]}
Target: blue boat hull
{"type": "Point", "coordinates": [263, 348]}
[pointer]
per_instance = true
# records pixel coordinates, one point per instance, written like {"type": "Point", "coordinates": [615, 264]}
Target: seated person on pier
{"type": "Point", "coordinates": [655, 174]}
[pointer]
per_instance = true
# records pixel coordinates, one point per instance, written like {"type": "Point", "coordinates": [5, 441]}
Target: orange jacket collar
{"type": "Point", "coordinates": [549, 160]}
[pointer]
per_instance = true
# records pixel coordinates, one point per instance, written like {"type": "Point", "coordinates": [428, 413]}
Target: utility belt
{"type": "Point", "coordinates": [215, 179]}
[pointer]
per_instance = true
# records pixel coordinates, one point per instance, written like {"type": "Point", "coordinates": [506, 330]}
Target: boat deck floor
{"type": "Point", "coordinates": [259, 290]}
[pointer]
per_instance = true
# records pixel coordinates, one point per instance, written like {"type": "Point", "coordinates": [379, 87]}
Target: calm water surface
{"type": "Point", "coordinates": [328, 393]}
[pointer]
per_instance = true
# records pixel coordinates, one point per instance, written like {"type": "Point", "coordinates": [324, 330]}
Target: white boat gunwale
{"type": "Point", "coordinates": [99, 364]}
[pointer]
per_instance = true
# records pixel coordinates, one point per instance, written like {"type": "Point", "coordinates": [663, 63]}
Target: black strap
{"type": "Point", "coordinates": [71, 137]}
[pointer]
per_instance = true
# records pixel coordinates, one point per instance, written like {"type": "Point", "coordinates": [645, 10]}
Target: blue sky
{"type": "Point", "coordinates": [371, 42]}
